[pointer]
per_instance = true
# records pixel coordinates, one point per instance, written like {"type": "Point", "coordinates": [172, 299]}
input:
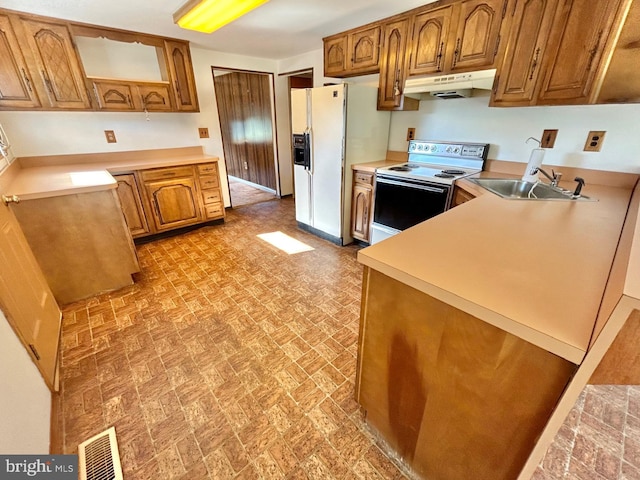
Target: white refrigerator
{"type": "Point", "coordinates": [336, 126]}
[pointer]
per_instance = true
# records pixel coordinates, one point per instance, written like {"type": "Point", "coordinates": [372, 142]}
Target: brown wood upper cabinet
{"type": "Point", "coordinates": [393, 67]}
{"type": "Point", "coordinates": [458, 37]}
{"type": "Point", "coordinates": [356, 52]}
{"type": "Point", "coordinates": [181, 73]}
{"type": "Point", "coordinates": [558, 52]}
{"type": "Point", "coordinates": [42, 68]}
{"type": "Point", "coordinates": [56, 75]}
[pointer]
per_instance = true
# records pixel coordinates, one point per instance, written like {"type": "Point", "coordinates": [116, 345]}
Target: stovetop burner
{"type": "Point", "coordinates": [403, 168]}
{"type": "Point", "coordinates": [443, 174]}
{"type": "Point", "coordinates": [453, 172]}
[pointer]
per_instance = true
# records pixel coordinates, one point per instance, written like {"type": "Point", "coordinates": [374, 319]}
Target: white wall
{"type": "Point", "coordinates": [25, 400]}
{"type": "Point", "coordinates": [506, 129]}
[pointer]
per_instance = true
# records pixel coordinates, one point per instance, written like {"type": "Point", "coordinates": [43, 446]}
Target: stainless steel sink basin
{"type": "Point", "coordinates": [520, 190]}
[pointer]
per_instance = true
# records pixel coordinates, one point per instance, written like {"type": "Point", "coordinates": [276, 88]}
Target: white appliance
{"type": "Point", "coordinates": [6, 156]}
{"type": "Point", "coordinates": [457, 85]}
{"type": "Point", "coordinates": [333, 128]}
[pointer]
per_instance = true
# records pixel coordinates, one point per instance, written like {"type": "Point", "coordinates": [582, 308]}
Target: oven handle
{"type": "Point", "coordinates": [411, 185]}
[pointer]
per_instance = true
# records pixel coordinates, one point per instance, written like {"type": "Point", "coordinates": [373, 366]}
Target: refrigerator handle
{"type": "Point", "coordinates": [307, 149]}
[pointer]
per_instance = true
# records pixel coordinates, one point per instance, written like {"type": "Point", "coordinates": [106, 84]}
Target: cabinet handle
{"type": "Point", "coordinates": [178, 93]}
{"type": "Point", "coordinates": [439, 57]}
{"type": "Point", "coordinates": [129, 99]}
{"type": "Point", "coordinates": [26, 80]}
{"type": "Point", "coordinates": [396, 85]}
{"type": "Point", "coordinates": [47, 82]}
{"type": "Point", "coordinates": [594, 50]}
{"type": "Point", "coordinates": [456, 52]}
{"type": "Point", "coordinates": [534, 64]}
{"type": "Point", "coordinates": [7, 199]}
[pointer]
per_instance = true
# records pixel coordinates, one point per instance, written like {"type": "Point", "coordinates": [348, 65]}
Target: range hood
{"type": "Point", "coordinates": [458, 85]}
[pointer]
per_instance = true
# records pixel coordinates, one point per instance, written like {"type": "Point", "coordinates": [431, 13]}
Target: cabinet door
{"type": "Point", "coordinates": [525, 50]}
{"type": "Point", "coordinates": [580, 32]}
{"type": "Point", "coordinates": [155, 97]}
{"type": "Point", "coordinates": [174, 203]}
{"type": "Point", "coordinates": [392, 65]}
{"type": "Point", "coordinates": [477, 32]}
{"type": "Point", "coordinates": [114, 95]}
{"type": "Point", "coordinates": [364, 50]}
{"type": "Point", "coordinates": [360, 212]}
{"type": "Point", "coordinates": [429, 41]}
{"type": "Point", "coordinates": [181, 74]}
{"type": "Point", "coordinates": [131, 204]}
{"type": "Point", "coordinates": [58, 66]}
{"type": "Point", "coordinates": [335, 56]}
{"type": "Point", "coordinates": [16, 86]}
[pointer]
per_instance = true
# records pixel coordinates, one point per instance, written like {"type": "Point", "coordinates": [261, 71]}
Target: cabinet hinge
{"type": "Point", "coordinates": [497, 46]}
{"type": "Point", "coordinates": [504, 8]}
{"type": "Point", "coordinates": [35, 352]}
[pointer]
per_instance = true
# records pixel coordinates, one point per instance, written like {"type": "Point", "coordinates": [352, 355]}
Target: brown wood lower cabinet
{"type": "Point", "coordinates": [460, 196]}
{"type": "Point", "coordinates": [362, 205]}
{"type": "Point", "coordinates": [454, 396]}
{"type": "Point", "coordinates": [161, 199]}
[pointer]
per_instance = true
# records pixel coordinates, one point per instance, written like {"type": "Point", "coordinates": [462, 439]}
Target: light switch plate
{"type": "Point", "coordinates": [111, 136]}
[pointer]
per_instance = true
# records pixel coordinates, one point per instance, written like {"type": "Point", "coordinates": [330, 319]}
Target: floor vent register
{"type": "Point", "coordinates": [99, 458]}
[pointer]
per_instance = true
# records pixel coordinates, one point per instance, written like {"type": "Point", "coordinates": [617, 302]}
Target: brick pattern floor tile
{"type": "Point", "coordinates": [226, 359]}
{"type": "Point", "coordinates": [600, 439]}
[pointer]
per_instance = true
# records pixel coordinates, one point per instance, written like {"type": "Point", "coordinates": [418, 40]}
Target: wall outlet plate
{"type": "Point", "coordinates": [203, 132]}
{"type": "Point", "coordinates": [548, 138]}
{"type": "Point", "coordinates": [411, 134]}
{"type": "Point", "coordinates": [111, 136]}
{"type": "Point", "coordinates": [594, 141]}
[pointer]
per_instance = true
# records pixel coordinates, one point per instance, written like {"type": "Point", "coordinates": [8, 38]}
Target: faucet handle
{"type": "Point", "coordinates": [581, 184]}
{"type": "Point", "coordinates": [556, 177]}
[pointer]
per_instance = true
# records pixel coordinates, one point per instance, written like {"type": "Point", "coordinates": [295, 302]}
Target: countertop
{"type": "Point", "coordinates": [44, 177]}
{"type": "Point", "coordinates": [536, 269]}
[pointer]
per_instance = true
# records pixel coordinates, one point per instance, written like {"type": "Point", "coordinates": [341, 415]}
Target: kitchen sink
{"type": "Point", "coordinates": [520, 190]}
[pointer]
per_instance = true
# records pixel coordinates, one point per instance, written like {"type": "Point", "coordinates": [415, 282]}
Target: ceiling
{"type": "Point", "coordinates": [276, 30]}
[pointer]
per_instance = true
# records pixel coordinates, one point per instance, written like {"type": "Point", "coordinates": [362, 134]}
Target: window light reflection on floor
{"type": "Point", "coordinates": [285, 243]}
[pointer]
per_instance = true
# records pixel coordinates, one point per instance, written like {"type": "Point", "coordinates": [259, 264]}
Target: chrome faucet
{"type": "Point", "coordinates": [554, 178]}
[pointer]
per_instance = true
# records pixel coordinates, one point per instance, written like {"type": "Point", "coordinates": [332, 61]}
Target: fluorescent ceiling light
{"type": "Point", "coordinates": [209, 15]}
{"type": "Point", "coordinates": [285, 243]}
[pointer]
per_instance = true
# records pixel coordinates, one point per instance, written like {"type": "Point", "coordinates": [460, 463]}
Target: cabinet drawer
{"type": "Point", "coordinates": [208, 169]}
{"type": "Point", "coordinates": [209, 182]}
{"type": "Point", "coordinates": [162, 173]}
{"type": "Point", "coordinates": [211, 196]}
{"type": "Point", "coordinates": [214, 210]}
{"type": "Point", "coordinates": [364, 177]}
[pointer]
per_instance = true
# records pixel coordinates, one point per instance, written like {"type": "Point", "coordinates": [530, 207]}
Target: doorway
{"type": "Point", "coordinates": [245, 111]}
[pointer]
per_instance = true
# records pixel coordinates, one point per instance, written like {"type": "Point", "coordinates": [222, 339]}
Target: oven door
{"type": "Point", "coordinates": [403, 203]}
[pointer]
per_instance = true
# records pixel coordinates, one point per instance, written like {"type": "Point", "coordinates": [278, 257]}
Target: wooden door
{"type": "Point", "coordinates": [525, 51]}
{"type": "Point", "coordinates": [477, 33]}
{"type": "Point", "coordinates": [576, 46]}
{"type": "Point", "coordinates": [429, 41]}
{"type": "Point", "coordinates": [244, 108]}
{"type": "Point", "coordinates": [392, 64]}
{"type": "Point", "coordinates": [174, 203]}
{"type": "Point", "coordinates": [58, 65]}
{"type": "Point", "coordinates": [181, 73]}
{"type": "Point", "coordinates": [26, 299]}
{"type": "Point", "coordinates": [364, 50]}
{"type": "Point", "coordinates": [131, 204]}
{"type": "Point", "coordinates": [335, 56]}
{"type": "Point", "coordinates": [16, 85]}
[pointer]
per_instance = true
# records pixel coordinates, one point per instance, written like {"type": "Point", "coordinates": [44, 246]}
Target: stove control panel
{"type": "Point", "coordinates": [448, 149]}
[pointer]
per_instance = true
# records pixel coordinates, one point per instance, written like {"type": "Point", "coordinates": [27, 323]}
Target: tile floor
{"type": "Point", "coordinates": [226, 359]}
{"type": "Point", "coordinates": [231, 359]}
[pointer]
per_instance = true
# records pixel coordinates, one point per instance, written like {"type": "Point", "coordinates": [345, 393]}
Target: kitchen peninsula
{"type": "Point", "coordinates": [474, 323]}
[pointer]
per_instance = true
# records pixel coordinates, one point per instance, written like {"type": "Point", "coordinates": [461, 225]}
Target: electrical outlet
{"type": "Point", "coordinates": [203, 132]}
{"type": "Point", "coordinates": [548, 138]}
{"type": "Point", "coordinates": [411, 133]}
{"type": "Point", "coordinates": [594, 141]}
{"type": "Point", "coordinates": [111, 136]}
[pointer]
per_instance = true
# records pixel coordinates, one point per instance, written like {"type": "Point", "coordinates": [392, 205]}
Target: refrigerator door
{"type": "Point", "coordinates": [327, 158]}
{"type": "Point", "coordinates": [301, 174]}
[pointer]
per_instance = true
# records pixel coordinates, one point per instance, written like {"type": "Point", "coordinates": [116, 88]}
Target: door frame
{"type": "Point", "coordinates": [274, 130]}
